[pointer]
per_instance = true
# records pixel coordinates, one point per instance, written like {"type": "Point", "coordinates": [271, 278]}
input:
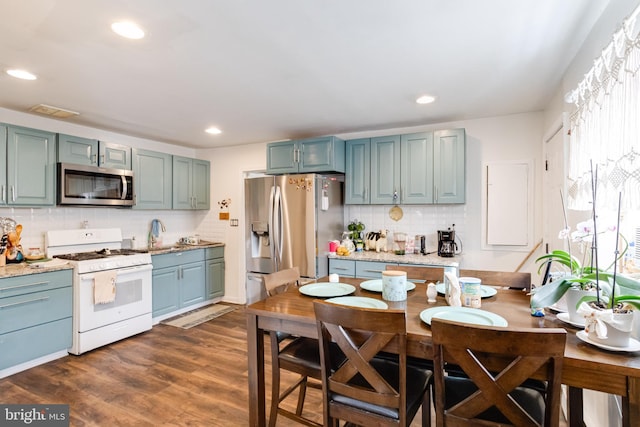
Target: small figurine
{"type": "Point", "coordinates": [432, 292]}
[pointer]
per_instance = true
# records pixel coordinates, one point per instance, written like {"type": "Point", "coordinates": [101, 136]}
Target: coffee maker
{"type": "Point", "coordinates": [446, 243]}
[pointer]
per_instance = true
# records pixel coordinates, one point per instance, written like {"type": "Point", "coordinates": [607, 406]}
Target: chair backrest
{"type": "Point", "coordinates": [360, 333]}
{"type": "Point", "coordinates": [508, 279]}
{"type": "Point", "coordinates": [497, 361]}
{"type": "Point", "coordinates": [428, 274]}
{"type": "Point", "coordinates": [280, 281]}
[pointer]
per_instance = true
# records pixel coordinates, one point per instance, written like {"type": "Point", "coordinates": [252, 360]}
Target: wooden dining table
{"type": "Point", "coordinates": [585, 365]}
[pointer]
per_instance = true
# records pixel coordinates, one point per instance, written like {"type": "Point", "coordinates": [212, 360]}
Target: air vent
{"type": "Point", "coordinates": [57, 112]}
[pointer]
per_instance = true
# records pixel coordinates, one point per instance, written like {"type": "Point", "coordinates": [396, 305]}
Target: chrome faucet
{"type": "Point", "coordinates": [154, 232]}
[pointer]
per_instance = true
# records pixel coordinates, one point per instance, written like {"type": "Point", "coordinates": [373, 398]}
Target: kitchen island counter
{"type": "Point", "coordinates": [417, 259]}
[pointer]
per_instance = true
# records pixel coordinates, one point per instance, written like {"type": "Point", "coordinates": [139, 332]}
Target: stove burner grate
{"type": "Point", "coordinates": [102, 253]}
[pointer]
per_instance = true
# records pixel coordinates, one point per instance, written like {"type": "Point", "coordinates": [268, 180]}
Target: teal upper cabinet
{"type": "Point", "coordinates": [357, 171]}
{"type": "Point", "coordinates": [416, 171]}
{"type": "Point", "coordinates": [27, 170]}
{"type": "Point", "coordinates": [418, 168]}
{"type": "Point", "coordinates": [385, 170]}
{"type": "Point", "coordinates": [449, 166]}
{"type": "Point", "coordinates": [323, 154]}
{"type": "Point", "coordinates": [91, 152]}
{"type": "Point", "coordinates": [153, 179]}
{"type": "Point", "coordinates": [191, 183]}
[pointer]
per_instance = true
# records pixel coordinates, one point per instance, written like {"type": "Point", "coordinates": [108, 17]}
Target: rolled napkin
{"type": "Point", "coordinates": [453, 293]}
{"type": "Point", "coordinates": [597, 320]}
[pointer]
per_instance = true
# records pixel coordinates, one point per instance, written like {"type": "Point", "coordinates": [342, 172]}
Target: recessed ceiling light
{"type": "Point", "coordinates": [127, 29]}
{"type": "Point", "coordinates": [213, 131]}
{"type": "Point", "coordinates": [21, 74]}
{"type": "Point", "coordinates": [425, 99]}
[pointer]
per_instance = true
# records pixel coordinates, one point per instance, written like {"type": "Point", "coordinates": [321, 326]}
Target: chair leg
{"type": "Point", "coordinates": [301, 396]}
{"type": "Point", "coordinates": [426, 408]}
{"type": "Point", "coordinates": [275, 395]}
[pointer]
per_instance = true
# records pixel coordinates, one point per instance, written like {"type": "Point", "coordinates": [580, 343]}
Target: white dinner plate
{"type": "Point", "coordinates": [375, 285]}
{"type": "Point", "coordinates": [474, 316]}
{"type": "Point", "coordinates": [564, 317]}
{"type": "Point", "coordinates": [486, 291]}
{"type": "Point", "coordinates": [327, 289]}
{"type": "Point", "coordinates": [634, 345]}
{"type": "Point", "coordinates": [363, 302]}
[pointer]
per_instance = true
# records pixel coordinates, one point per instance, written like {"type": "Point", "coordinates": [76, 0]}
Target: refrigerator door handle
{"type": "Point", "coordinates": [272, 246]}
{"type": "Point", "coordinates": [277, 230]}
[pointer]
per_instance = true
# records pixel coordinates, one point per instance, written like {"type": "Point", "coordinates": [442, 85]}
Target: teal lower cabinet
{"type": "Point", "coordinates": [35, 319]}
{"type": "Point", "coordinates": [215, 272]}
{"type": "Point", "coordinates": [342, 267]}
{"type": "Point", "coordinates": [346, 267]}
{"type": "Point", "coordinates": [178, 281]}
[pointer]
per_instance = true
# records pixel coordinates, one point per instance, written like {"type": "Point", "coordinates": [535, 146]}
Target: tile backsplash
{"type": "Point", "coordinates": [416, 219]}
{"type": "Point", "coordinates": [36, 221]}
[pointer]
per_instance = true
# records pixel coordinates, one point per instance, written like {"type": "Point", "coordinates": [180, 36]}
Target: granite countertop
{"type": "Point", "coordinates": [177, 247]}
{"type": "Point", "coordinates": [417, 259]}
{"type": "Point", "coordinates": [23, 268]}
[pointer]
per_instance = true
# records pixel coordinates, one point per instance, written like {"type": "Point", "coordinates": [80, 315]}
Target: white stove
{"type": "Point", "coordinates": [111, 286]}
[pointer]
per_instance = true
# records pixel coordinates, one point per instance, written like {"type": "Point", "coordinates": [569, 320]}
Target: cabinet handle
{"type": "Point", "coordinates": [102, 159]}
{"type": "Point", "coordinates": [25, 285]}
{"type": "Point", "coordinates": [4, 193]}
{"type": "Point", "coordinates": [435, 193]}
{"type": "Point", "coordinates": [373, 271]}
{"type": "Point", "coordinates": [13, 193]}
{"type": "Point", "coordinates": [23, 302]}
{"type": "Point", "coordinates": [94, 159]}
{"type": "Point", "coordinates": [340, 269]}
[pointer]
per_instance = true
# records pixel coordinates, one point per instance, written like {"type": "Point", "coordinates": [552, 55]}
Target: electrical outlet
{"type": "Point", "coordinates": [233, 222]}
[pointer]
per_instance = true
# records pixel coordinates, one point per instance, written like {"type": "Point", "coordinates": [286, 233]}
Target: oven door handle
{"type": "Point", "coordinates": [122, 271]}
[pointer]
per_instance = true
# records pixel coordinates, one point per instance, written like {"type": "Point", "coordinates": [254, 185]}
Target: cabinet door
{"type": "Point", "coordinates": [192, 284]}
{"type": "Point", "coordinates": [215, 278]}
{"type": "Point", "coordinates": [282, 157]}
{"type": "Point", "coordinates": [324, 154]}
{"type": "Point", "coordinates": [182, 183]}
{"type": "Point", "coordinates": [3, 165]}
{"type": "Point", "coordinates": [114, 156]}
{"type": "Point", "coordinates": [201, 184]}
{"type": "Point", "coordinates": [152, 179]}
{"type": "Point", "coordinates": [357, 171]}
{"type": "Point", "coordinates": [31, 161]}
{"type": "Point", "coordinates": [165, 291]}
{"type": "Point", "coordinates": [385, 170]}
{"type": "Point", "coordinates": [74, 149]}
{"type": "Point", "coordinates": [449, 166]}
{"type": "Point", "coordinates": [416, 168]}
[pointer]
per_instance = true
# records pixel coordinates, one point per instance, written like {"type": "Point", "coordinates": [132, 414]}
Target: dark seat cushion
{"type": "Point", "coordinates": [417, 382]}
{"type": "Point", "coordinates": [306, 352]}
{"type": "Point", "coordinates": [531, 400]}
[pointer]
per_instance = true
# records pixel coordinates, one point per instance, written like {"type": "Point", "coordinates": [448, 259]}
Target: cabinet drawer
{"type": "Point", "coordinates": [177, 258]}
{"type": "Point", "coordinates": [217, 252]}
{"type": "Point", "coordinates": [24, 311]}
{"type": "Point", "coordinates": [371, 269]}
{"type": "Point", "coordinates": [28, 344]}
{"type": "Point", "coordinates": [35, 283]}
{"type": "Point", "coordinates": [342, 267]}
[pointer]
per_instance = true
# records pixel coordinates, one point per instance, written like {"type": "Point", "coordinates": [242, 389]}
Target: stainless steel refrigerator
{"type": "Point", "coordinates": [290, 220]}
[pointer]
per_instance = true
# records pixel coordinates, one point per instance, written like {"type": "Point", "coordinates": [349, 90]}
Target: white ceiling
{"type": "Point", "coordinates": [284, 69]}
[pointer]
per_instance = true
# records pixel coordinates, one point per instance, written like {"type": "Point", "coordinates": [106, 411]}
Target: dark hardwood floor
{"type": "Point", "coordinates": [164, 377]}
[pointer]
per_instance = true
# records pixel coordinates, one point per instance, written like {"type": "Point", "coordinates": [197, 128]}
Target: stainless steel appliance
{"type": "Point", "coordinates": [97, 253]}
{"type": "Point", "coordinates": [290, 220]}
{"type": "Point", "coordinates": [447, 246]}
{"type": "Point", "coordinates": [92, 185]}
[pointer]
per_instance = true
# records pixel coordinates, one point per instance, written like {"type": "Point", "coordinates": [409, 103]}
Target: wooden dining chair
{"type": "Point", "coordinates": [363, 389]}
{"type": "Point", "coordinates": [497, 362]}
{"type": "Point", "coordinates": [422, 274]}
{"type": "Point", "coordinates": [513, 280]}
{"type": "Point", "coordinates": [299, 355]}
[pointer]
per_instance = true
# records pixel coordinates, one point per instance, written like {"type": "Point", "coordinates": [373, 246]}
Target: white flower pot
{"type": "Point", "coordinates": [573, 296]}
{"type": "Point", "coordinates": [618, 331]}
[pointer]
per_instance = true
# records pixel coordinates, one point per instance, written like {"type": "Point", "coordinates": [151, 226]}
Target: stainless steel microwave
{"type": "Point", "coordinates": [94, 186]}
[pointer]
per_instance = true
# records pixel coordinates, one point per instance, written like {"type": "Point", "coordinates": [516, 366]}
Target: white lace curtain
{"type": "Point", "coordinates": [605, 126]}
